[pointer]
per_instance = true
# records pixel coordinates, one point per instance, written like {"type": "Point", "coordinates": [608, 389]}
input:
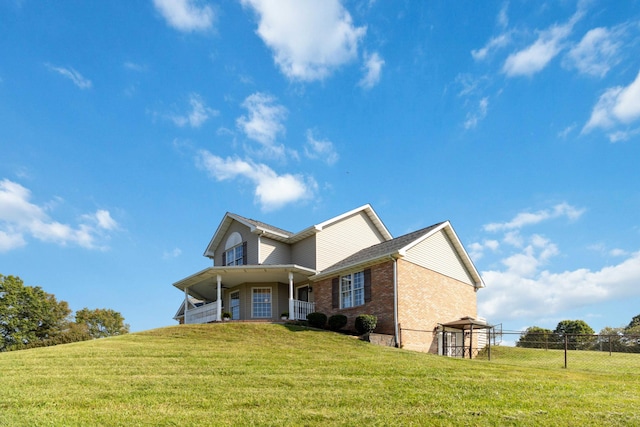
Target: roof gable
{"type": "Point", "coordinates": [399, 246]}
{"type": "Point", "coordinates": [281, 235]}
{"type": "Point", "coordinates": [256, 227]}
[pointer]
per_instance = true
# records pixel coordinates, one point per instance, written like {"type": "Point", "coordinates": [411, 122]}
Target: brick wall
{"type": "Point", "coordinates": [425, 298]}
{"type": "Point", "coordinates": [381, 304]}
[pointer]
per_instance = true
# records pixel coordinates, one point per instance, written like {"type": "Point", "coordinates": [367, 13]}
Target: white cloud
{"type": "Point", "coordinates": [623, 135]}
{"type": "Point", "coordinates": [476, 249]}
{"type": "Point", "coordinates": [264, 121]}
{"type": "Point", "coordinates": [373, 70]}
{"type": "Point", "coordinates": [474, 117]}
{"type": "Point", "coordinates": [175, 253]}
{"type": "Point", "coordinates": [20, 217]}
{"type": "Point", "coordinates": [596, 53]}
{"type": "Point", "coordinates": [272, 191]}
{"type": "Point", "coordinates": [529, 218]}
{"type": "Point", "coordinates": [186, 15]}
{"type": "Point", "coordinates": [536, 56]}
{"type": "Point", "coordinates": [566, 131]}
{"type": "Point", "coordinates": [503, 18]}
{"type": "Point", "coordinates": [320, 149]}
{"type": "Point", "coordinates": [617, 105]}
{"type": "Point", "coordinates": [309, 38]}
{"type": "Point", "coordinates": [492, 45]}
{"type": "Point", "coordinates": [72, 75]}
{"type": "Point", "coordinates": [522, 286]}
{"type": "Point", "coordinates": [199, 113]}
{"type": "Point", "coordinates": [512, 295]}
{"type": "Point", "coordinates": [134, 67]}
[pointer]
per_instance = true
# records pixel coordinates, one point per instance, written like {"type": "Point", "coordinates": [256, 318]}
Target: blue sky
{"type": "Point", "coordinates": [128, 129]}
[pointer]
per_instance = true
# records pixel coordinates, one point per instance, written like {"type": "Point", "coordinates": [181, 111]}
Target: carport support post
{"type": "Point", "coordinates": [219, 300]}
{"type": "Point", "coordinates": [292, 314]}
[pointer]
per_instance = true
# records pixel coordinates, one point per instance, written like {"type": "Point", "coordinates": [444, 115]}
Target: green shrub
{"type": "Point", "coordinates": [317, 320]}
{"type": "Point", "coordinates": [366, 323]}
{"type": "Point", "coordinates": [337, 322]}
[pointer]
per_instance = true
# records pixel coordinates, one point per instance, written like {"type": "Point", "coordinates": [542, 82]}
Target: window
{"type": "Point", "coordinates": [352, 290]}
{"type": "Point", "coordinates": [261, 302]}
{"type": "Point", "coordinates": [234, 305]}
{"type": "Point", "coordinates": [234, 256]}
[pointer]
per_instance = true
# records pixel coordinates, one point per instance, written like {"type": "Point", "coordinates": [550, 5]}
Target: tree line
{"type": "Point", "coordinates": [578, 335]}
{"type": "Point", "coordinates": [31, 317]}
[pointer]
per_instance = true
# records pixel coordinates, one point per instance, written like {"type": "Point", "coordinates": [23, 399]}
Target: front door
{"type": "Point", "coordinates": [303, 294]}
{"type": "Point", "coordinates": [234, 305]}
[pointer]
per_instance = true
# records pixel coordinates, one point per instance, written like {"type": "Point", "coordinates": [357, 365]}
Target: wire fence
{"type": "Point", "coordinates": [605, 353]}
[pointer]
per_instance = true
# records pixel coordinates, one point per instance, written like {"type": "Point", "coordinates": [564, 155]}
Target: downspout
{"type": "Point", "coordinates": [395, 301]}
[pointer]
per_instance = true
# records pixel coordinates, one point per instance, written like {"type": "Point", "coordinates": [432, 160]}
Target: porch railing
{"type": "Point", "coordinates": [301, 309]}
{"type": "Point", "coordinates": [204, 314]}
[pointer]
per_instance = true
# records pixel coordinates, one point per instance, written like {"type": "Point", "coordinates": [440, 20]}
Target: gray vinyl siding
{"type": "Point", "coordinates": [247, 236]}
{"type": "Point", "coordinates": [303, 253]}
{"type": "Point", "coordinates": [344, 238]}
{"type": "Point", "coordinates": [438, 254]}
{"type": "Point", "coordinates": [273, 252]}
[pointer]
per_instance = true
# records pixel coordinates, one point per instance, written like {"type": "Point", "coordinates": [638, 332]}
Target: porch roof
{"type": "Point", "coordinates": [467, 323]}
{"type": "Point", "coordinates": [203, 284]}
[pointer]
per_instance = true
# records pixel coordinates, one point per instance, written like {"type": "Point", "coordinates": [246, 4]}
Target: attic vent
{"type": "Point", "coordinates": [234, 240]}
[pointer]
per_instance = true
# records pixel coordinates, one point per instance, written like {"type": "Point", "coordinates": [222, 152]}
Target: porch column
{"type": "Point", "coordinates": [186, 304]}
{"type": "Point", "coordinates": [292, 314]}
{"type": "Point", "coordinates": [219, 300]}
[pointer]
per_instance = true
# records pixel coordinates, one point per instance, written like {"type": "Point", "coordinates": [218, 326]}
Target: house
{"type": "Point", "coordinates": [350, 264]}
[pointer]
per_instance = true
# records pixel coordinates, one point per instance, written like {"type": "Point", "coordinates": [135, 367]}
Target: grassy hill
{"type": "Point", "coordinates": [264, 374]}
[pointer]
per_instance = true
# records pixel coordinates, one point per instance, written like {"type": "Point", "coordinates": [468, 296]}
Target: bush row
{"type": "Point", "coordinates": [365, 323]}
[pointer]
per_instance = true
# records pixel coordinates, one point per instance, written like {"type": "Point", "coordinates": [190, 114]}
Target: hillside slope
{"type": "Point", "coordinates": [265, 374]}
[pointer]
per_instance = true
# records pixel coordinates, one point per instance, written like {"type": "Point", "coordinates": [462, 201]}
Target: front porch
{"type": "Point", "coordinates": [208, 312]}
{"type": "Point", "coordinates": [246, 293]}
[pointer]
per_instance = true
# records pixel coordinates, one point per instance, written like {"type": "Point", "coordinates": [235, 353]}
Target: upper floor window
{"type": "Point", "coordinates": [234, 256]}
{"type": "Point", "coordinates": [235, 250]}
{"type": "Point", "coordinates": [352, 290]}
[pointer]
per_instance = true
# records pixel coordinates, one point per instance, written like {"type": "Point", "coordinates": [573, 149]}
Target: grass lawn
{"type": "Point", "coordinates": [264, 374]}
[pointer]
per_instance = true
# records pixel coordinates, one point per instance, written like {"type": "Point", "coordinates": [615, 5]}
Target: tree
{"type": "Point", "coordinates": [28, 314]}
{"type": "Point", "coordinates": [611, 339]}
{"type": "Point", "coordinates": [578, 333]}
{"type": "Point", "coordinates": [537, 337]}
{"type": "Point", "coordinates": [102, 322]}
{"type": "Point", "coordinates": [634, 324]}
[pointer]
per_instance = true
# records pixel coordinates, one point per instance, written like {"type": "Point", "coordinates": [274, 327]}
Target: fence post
{"type": "Point", "coordinates": [609, 345]}
{"type": "Point", "coordinates": [566, 339]}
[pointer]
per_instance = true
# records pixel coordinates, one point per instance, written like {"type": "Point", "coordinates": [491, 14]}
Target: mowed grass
{"type": "Point", "coordinates": [584, 360]}
{"type": "Point", "coordinates": [265, 374]}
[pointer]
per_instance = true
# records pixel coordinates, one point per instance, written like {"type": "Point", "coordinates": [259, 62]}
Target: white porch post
{"type": "Point", "coordinates": [219, 300]}
{"type": "Point", "coordinates": [291, 308]}
{"type": "Point", "coordinates": [186, 304]}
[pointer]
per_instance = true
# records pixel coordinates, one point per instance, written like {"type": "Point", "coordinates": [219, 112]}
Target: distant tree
{"type": "Point", "coordinates": [102, 322]}
{"type": "Point", "coordinates": [632, 334]}
{"type": "Point", "coordinates": [579, 334]}
{"type": "Point", "coordinates": [635, 323]}
{"type": "Point", "coordinates": [28, 314]}
{"type": "Point", "coordinates": [611, 339]}
{"type": "Point", "coordinates": [537, 337]}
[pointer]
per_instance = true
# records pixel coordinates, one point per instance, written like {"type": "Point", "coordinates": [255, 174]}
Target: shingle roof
{"type": "Point", "coordinates": [381, 249]}
{"type": "Point", "coordinates": [264, 225]}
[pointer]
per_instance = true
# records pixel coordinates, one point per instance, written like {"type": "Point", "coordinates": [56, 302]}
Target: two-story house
{"type": "Point", "coordinates": [349, 264]}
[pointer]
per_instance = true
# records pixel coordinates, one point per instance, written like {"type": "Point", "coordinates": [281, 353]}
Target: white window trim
{"type": "Point", "coordinates": [270, 302]}
{"type": "Point", "coordinates": [239, 305]}
{"type": "Point", "coordinates": [233, 251]}
{"type": "Point", "coordinates": [351, 290]}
